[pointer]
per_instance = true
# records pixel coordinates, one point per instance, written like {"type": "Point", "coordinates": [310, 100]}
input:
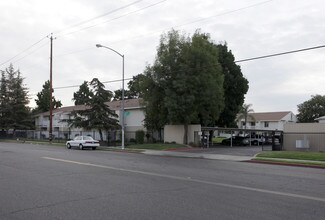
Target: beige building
{"type": "Point", "coordinates": [133, 112]}
{"type": "Point", "coordinates": [304, 136]}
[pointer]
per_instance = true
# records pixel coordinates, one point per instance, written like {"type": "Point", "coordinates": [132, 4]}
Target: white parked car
{"type": "Point", "coordinates": [83, 142]}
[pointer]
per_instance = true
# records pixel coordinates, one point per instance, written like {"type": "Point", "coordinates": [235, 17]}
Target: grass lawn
{"type": "Point", "coordinates": [157, 146]}
{"type": "Point", "coordinates": [218, 140]}
{"type": "Point", "coordinates": [296, 155]}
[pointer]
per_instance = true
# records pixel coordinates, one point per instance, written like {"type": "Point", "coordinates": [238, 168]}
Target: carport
{"type": "Point", "coordinates": [267, 139]}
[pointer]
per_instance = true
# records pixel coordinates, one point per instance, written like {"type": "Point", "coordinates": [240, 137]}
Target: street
{"type": "Point", "coordinates": [52, 182]}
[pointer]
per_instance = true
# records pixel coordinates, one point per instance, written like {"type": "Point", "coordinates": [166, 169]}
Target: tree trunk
{"type": "Point", "coordinates": [185, 133]}
{"type": "Point", "coordinates": [100, 134]}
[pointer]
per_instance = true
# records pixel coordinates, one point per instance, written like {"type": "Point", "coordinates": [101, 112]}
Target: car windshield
{"type": "Point", "coordinates": [87, 138]}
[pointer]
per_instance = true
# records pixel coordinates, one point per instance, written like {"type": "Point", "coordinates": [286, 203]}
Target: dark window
{"type": "Point", "coordinates": [253, 123]}
{"type": "Point", "coordinates": [266, 124]}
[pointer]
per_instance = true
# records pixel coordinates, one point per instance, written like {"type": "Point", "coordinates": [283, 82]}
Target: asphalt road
{"type": "Point", "coordinates": [49, 182]}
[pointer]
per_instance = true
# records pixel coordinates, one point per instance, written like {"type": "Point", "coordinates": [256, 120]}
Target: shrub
{"type": "Point", "coordinates": [132, 140]}
{"type": "Point", "coordinates": [139, 136]}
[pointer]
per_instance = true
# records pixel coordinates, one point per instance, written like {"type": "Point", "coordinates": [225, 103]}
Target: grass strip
{"type": "Point", "coordinates": [294, 155]}
{"type": "Point", "coordinates": [290, 161]}
{"type": "Point", "coordinates": [157, 146]}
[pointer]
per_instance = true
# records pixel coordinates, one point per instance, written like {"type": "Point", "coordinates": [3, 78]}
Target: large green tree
{"type": "Point", "coordinates": [235, 87]}
{"type": "Point", "coordinates": [97, 114]}
{"type": "Point", "coordinates": [311, 109]}
{"type": "Point", "coordinates": [186, 81]}
{"type": "Point", "coordinates": [4, 102]}
{"type": "Point", "coordinates": [137, 85]}
{"type": "Point", "coordinates": [83, 95]}
{"type": "Point", "coordinates": [43, 99]}
{"type": "Point", "coordinates": [14, 111]}
{"type": "Point", "coordinates": [153, 94]}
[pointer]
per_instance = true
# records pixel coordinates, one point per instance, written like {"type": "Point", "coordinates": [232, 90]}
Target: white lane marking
{"type": "Point", "coordinates": [192, 180]}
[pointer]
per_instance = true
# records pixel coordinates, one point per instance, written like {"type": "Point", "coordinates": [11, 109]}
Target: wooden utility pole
{"type": "Point", "coordinates": [51, 89]}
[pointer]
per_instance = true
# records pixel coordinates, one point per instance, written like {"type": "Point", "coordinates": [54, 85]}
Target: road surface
{"type": "Point", "coordinates": [51, 182]}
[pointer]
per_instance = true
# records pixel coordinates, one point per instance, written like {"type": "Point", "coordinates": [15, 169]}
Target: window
{"type": "Point", "coordinates": [266, 124]}
{"type": "Point", "coordinates": [243, 123]}
{"type": "Point", "coordinates": [253, 123]}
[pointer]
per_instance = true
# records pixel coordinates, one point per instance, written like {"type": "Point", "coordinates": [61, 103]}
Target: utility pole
{"type": "Point", "coordinates": [51, 89]}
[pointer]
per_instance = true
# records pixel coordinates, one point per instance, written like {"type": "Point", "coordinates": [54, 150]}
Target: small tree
{"type": "Point", "coordinates": [244, 113]}
{"type": "Point", "coordinates": [97, 114]}
{"type": "Point", "coordinates": [43, 99]}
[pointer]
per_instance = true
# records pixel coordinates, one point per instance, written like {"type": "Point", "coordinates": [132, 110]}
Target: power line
{"type": "Point", "coordinates": [121, 16]}
{"type": "Point", "coordinates": [105, 82]}
{"type": "Point", "coordinates": [76, 25]}
{"type": "Point", "coordinates": [236, 61]}
{"type": "Point", "coordinates": [164, 29]}
{"type": "Point", "coordinates": [30, 53]}
{"type": "Point", "coordinates": [99, 16]}
{"type": "Point", "coordinates": [195, 21]}
{"type": "Point", "coordinates": [279, 54]}
{"type": "Point", "coordinates": [75, 86]}
{"type": "Point", "coordinates": [23, 51]}
{"type": "Point", "coordinates": [224, 13]}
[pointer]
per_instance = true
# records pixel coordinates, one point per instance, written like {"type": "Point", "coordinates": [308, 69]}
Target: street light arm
{"type": "Point", "coordinates": [122, 113]}
{"type": "Point", "coordinates": [99, 45]}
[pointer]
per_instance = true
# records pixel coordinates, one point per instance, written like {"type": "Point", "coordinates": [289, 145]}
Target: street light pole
{"type": "Point", "coordinates": [51, 91]}
{"type": "Point", "coordinates": [122, 118]}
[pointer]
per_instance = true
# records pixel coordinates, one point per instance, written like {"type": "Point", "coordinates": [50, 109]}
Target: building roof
{"type": "Point", "coordinates": [113, 105]}
{"type": "Point", "coordinates": [269, 116]}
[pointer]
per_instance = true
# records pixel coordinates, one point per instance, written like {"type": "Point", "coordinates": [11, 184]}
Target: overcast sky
{"type": "Point", "coordinates": [251, 28]}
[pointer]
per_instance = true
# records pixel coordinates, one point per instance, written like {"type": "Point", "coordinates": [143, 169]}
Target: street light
{"type": "Point", "coordinates": [99, 45]}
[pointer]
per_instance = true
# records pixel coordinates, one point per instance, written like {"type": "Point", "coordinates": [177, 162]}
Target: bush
{"type": "Point", "coordinates": [132, 140]}
{"type": "Point", "coordinates": [139, 137]}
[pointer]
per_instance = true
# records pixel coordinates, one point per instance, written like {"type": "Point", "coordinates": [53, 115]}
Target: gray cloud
{"type": "Point", "coordinates": [276, 84]}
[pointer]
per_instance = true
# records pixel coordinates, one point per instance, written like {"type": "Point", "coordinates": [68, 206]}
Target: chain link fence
{"type": "Point", "coordinates": [110, 138]}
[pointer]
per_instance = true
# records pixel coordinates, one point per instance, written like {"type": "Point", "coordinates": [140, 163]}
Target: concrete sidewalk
{"type": "Point", "coordinates": [197, 155]}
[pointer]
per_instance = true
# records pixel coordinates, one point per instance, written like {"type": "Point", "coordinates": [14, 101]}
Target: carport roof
{"type": "Point", "coordinates": [269, 116]}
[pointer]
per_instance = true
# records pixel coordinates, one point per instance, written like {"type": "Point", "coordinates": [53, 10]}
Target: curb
{"type": "Point", "coordinates": [286, 164]}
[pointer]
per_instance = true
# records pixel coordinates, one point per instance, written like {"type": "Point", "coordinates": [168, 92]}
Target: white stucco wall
{"type": "Point", "coordinates": [134, 117]}
{"type": "Point", "coordinates": [175, 133]}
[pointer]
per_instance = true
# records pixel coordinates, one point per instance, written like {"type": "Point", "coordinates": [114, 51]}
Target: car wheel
{"type": "Point", "coordinates": [81, 147]}
{"type": "Point", "coordinates": [94, 148]}
{"type": "Point", "coordinates": [68, 146]}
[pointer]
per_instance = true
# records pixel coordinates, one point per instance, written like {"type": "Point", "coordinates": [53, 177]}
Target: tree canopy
{"type": "Point", "coordinates": [311, 109]}
{"type": "Point", "coordinates": [185, 83]}
{"type": "Point", "coordinates": [192, 80]}
{"type": "Point", "coordinates": [43, 99]}
{"type": "Point", "coordinates": [235, 87]}
{"type": "Point", "coordinates": [97, 114]}
{"type": "Point", "coordinates": [83, 95]}
{"type": "Point", "coordinates": [14, 112]}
